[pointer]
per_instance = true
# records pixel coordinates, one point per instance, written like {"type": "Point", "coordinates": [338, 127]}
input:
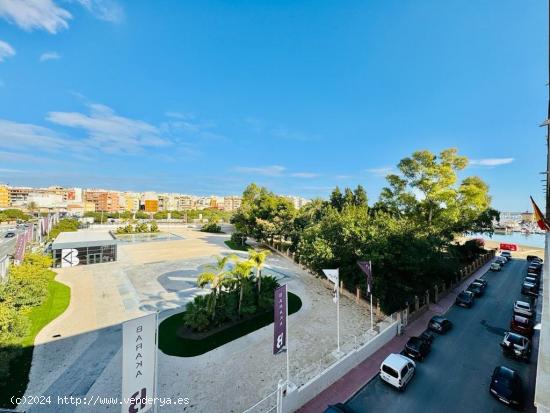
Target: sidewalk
{"type": "Point", "coordinates": [358, 377]}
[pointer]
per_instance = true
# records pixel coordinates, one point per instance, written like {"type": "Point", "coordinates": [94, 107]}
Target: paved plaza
{"type": "Point", "coordinates": [79, 353]}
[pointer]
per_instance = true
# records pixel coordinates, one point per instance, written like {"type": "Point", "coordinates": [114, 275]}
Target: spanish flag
{"type": "Point", "coordinates": [541, 221]}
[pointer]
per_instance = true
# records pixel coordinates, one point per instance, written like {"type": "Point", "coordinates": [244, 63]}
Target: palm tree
{"type": "Point", "coordinates": [217, 276]}
{"type": "Point", "coordinates": [241, 273]}
{"type": "Point", "coordinates": [258, 258]}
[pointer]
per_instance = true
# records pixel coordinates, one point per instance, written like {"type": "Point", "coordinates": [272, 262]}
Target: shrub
{"type": "Point", "coordinates": [238, 238]}
{"type": "Point", "coordinates": [212, 227]}
{"type": "Point", "coordinates": [196, 314]}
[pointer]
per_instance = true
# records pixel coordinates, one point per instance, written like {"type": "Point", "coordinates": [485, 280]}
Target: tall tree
{"type": "Point", "coordinates": [360, 197]}
{"type": "Point", "coordinates": [336, 199]}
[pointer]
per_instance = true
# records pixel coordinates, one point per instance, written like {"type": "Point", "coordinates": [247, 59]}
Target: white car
{"type": "Point", "coordinates": [397, 370]}
{"type": "Point", "coordinates": [523, 308]}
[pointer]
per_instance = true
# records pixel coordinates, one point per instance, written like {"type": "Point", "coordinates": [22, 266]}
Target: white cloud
{"type": "Point", "coordinates": [24, 135]}
{"type": "Point", "coordinates": [304, 175]}
{"type": "Point", "coordinates": [273, 170]}
{"type": "Point", "coordinates": [35, 14]}
{"type": "Point", "coordinates": [6, 50]}
{"type": "Point", "coordinates": [491, 162]}
{"type": "Point", "coordinates": [108, 10]}
{"type": "Point", "coordinates": [49, 16]}
{"type": "Point", "coordinates": [110, 132]}
{"type": "Point", "coordinates": [381, 172]}
{"type": "Point", "coordinates": [49, 56]}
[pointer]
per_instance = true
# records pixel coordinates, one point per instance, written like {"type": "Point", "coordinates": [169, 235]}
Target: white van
{"type": "Point", "coordinates": [397, 370]}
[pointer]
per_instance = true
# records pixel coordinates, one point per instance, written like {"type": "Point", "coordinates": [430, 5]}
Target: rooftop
{"type": "Point", "coordinates": [83, 239]}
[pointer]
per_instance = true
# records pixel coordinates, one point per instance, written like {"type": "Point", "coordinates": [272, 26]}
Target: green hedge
{"type": "Point", "coordinates": [28, 302]}
{"type": "Point", "coordinates": [172, 344]}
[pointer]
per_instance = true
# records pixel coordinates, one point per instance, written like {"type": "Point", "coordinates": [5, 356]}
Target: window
{"type": "Point", "coordinates": [388, 370]}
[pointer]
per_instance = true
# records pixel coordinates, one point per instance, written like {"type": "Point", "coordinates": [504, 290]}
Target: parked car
{"type": "Point", "coordinates": [495, 266]}
{"type": "Point", "coordinates": [507, 255]}
{"type": "Point", "coordinates": [482, 281]}
{"type": "Point", "coordinates": [338, 408]}
{"type": "Point", "coordinates": [397, 370]}
{"type": "Point", "coordinates": [522, 325]}
{"type": "Point", "coordinates": [440, 324]}
{"type": "Point", "coordinates": [535, 269]}
{"type": "Point", "coordinates": [417, 348]}
{"type": "Point", "coordinates": [506, 386]}
{"type": "Point", "coordinates": [523, 308]}
{"type": "Point", "coordinates": [477, 289]}
{"type": "Point", "coordinates": [515, 345]}
{"type": "Point", "coordinates": [10, 235]}
{"type": "Point", "coordinates": [532, 280]}
{"type": "Point", "coordinates": [465, 299]}
{"type": "Point", "coordinates": [529, 289]}
{"type": "Point", "coordinates": [533, 257]}
{"type": "Point", "coordinates": [427, 336]}
{"type": "Point", "coordinates": [501, 260]}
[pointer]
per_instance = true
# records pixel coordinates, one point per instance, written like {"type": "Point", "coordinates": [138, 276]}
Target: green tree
{"type": "Point", "coordinates": [241, 273]}
{"type": "Point", "coordinates": [216, 276]}
{"type": "Point", "coordinates": [258, 258]}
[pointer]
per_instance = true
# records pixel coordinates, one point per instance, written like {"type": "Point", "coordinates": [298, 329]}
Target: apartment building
{"type": "Point", "coordinates": [19, 195]}
{"type": "Point", "coordinates": [185, 202]}
{"type": "Point", "coordinates": [104, 201]}
{"type": "Point", "coordinates": [4, 196]}
{"type": "Point", "coordinates": [232, 203]}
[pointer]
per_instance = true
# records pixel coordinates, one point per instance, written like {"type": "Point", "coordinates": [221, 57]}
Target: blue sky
{"type": "Point", "coordinates": [206, 96]}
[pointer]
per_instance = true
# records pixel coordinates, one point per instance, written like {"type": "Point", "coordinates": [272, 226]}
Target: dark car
{"type": "Point", "coordinates": [338, 408]}
{"type": "Point", "coordinates": [9, 235]}
{"type": "Point", "coordinates": [417, 348]}
{"type": "Point", "coordinates": [477, 289]}
{"type": "Point", "coordinates": [522, 325]}
{"type": "Point", "coordinates": [506, 386]}
{"type": "Point", "coordinates": [427, 336]}
{"type": "Point", "coordinates": [533, 257]}
{"type": "Point", "coordinates": [465, 299]}
{"type": "Point", "coordinates": [536, 269]}
{"type": "Point", "coordinates": [529, 289]}
{"type": "Point", "coordinates": [440, 324]}
{"type": "Point", "coordinates": [482, 281]}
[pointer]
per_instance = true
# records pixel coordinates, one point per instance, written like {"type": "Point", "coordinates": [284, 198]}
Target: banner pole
{"type": "Point", "coordinates": [338, 312]}
{"type": "Point", "coordinates": [371, 315]}
{"type": "Point", "coordinates": [156, 360]}
{"type": "Point", "coordinates": [287, 343]}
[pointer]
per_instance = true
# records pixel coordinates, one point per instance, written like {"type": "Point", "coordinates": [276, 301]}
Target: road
{"type": "Point", "coordinates": [455, 376]}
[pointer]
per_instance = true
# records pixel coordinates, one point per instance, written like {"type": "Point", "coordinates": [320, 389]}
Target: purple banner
{"type": "Point", "coordinates": [366, 267]}
{"type": "Point", "coordinates": [20, 247]}
{"type": "Point", "coordinates": [279, 322]}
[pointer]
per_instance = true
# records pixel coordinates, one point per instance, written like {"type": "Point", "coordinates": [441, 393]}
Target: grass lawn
{"type": "Point", "coordinates": [236, 246]}
{"type": "Point", "coordinates": [174, 345]}
{"type": "Point", "coordinates": [55, 304]}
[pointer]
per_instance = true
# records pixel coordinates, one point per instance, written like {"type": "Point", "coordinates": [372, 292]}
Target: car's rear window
{"type": "Point", "coordinates": [388, 370]}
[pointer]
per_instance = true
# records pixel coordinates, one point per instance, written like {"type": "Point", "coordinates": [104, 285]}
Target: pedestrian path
{"type": "Point", "coordinates": [353, 381]}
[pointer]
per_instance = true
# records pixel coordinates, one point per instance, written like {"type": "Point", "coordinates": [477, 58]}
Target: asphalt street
{"type": "Point", "coordinates": [455, 376]}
